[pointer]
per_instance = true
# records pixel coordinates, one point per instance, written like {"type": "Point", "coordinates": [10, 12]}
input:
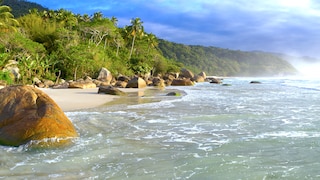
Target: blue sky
{"type": "Point", "coordinates": [288, 26]}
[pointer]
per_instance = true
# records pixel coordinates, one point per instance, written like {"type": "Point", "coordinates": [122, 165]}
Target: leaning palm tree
{"type": "Point", "coordinates": [7, 21]}
{"type": "Point", "coordinates": [135, 30]}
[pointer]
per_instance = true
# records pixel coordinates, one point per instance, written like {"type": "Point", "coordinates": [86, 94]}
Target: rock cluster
{"type": "Point", "coordinates": [105, 79]}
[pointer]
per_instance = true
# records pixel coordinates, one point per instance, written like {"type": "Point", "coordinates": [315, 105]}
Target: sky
{"type": "Point", "coordinates": [281, 26]}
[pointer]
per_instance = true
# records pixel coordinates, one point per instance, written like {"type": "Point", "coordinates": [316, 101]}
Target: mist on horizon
{"type": "Point", "coordinates": [307, 69]}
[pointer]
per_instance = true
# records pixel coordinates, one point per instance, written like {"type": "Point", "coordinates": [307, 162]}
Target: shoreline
{"type": "Point", "coordinates": [77, 99]}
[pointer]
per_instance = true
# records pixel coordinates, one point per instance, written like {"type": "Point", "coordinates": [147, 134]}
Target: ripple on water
{"type": "Point", "coordinates": [239, 132]}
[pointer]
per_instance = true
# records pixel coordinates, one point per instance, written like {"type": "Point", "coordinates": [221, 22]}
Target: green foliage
{"type": "Point", "coordinates": [3, 58]}
{"type": "Point", "coordinates": [18, 44]}
{"type": "Point", "coordinates": [6, 76]}
{"type": "Point", "coordinates": [7, 22]}
{"type": "Point", "coordinates": [138, 66]}
{"type": "Point", "coordinates": [40, 30]}
{"type": "Point", "coordinates": [163, 65]}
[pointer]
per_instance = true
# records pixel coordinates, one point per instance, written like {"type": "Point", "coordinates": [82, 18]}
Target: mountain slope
{"type": "Point", "coordinates": [225, 62]}
{"type": "Point", "coordinates": [22, 7]}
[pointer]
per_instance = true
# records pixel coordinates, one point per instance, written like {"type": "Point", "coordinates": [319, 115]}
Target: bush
{"type": "Point", "coordinates": [6, 76]}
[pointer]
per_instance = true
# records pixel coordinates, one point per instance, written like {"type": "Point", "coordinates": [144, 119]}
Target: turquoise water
{"type": "Point", "coordinates": [244, 131]}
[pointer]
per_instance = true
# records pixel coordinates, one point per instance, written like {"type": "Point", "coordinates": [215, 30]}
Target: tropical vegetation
{"type": "Point", "coordinates": [58, 43]}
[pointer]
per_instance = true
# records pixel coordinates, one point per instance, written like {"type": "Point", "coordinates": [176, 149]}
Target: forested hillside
{"type": "Point", "coordinates": [50, 44]}
{"type": "Point", "coordinates": [58, 43]}
{"type": "Point", "coordinates": [225, 62]}
{"type": "Point", "coordinates": [22, 7]}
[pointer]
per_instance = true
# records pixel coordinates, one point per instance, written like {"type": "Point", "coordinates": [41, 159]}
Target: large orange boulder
{"type": "Point", "coordinates": [29, 115]}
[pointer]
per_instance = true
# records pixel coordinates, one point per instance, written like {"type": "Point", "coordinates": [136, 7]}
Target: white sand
{"type": "Point", "coordinates": [76, 99]}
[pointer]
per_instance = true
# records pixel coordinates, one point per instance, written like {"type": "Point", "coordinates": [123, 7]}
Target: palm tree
{"type": "Point", "coordinates": [86, 18]}
{"type": "Point", "coordinates": [83, 18]}
{"type": "Point", "coordinates": [66, 18]}
{"type": "Point", "coordinates": [114, 20]}
{"type": "Point", "coordinates": [152, 41]}
{"type": "Point", "coordinates": [135, 30]}
{"type": "Point", "coordinates": [34, 11]}
{"type": "Point", "coordinates": [97, 16]}
{"type": "Point", "coordinates": [7, 21]}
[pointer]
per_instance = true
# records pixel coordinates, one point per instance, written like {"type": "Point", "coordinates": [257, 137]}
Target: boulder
{"type": "Point", "coordinates": [182, 82]}
{"type": "Point", "coordinates": [198, 78]}
{"type": "Point", "coordinates": [105, 83]}
{"type": "Point", "coordinates": [111, 90]}
{"type": "Point", "coordinates": [203, 74]}
{"type": "Point", "coordinates": [158, 82]}
{"type": "Point", "coordinates": [97, 82]}
{"type": "Point", "coordinates": [88, 79]}
{"type": "Point", "coordinates": [82, 84]}
{"type": "Point", "coordinates": [255, 82]}
{"type": "Point", "coordinates": [29, 115]}
{"type": "Point", "coordinates": [215, 81]}
{"type": "Point", "coordinates": [148, 82]}
{"type": "Point", "coordinates": [185, 73]}
{"type": "Point", "coordinates": [123, 78]}
{"type": "Point", "coordinates": [174, 94]}
{"type": "Point", "coordinates": [38, 82]}
{"type": "Point", "coordinates": [12, 66]}
{"type": "Point", "coordinates": [136, 82]}
{"type": "Point", "coordinates": [170, 77]}
{"type": "Point", "coordinates": [121, 84]}
{"type": "Point", "coordinates": [60, 81]}
{"type": "Point", "coordinates": [105, 75]}
{"type": "Point", "coordinates": [168, 82]}
{"type": "Point", "coordinates": [63, 85]}
{"type": "Point", "coordinates": [48, 83]}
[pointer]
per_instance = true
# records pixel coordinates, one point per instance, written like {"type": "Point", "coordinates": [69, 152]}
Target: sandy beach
{"type": "Point", "coordinates": [76, 99]}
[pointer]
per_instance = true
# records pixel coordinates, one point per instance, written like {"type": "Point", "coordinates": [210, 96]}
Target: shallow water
{"type": "Point", "coordinates": [244, 131]}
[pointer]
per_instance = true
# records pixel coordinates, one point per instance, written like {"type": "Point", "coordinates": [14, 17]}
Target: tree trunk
{"type": "Point", "coordinates": [57, 80]}
{"type": "Point", "coordinates": [75, 73]}
{"type": "Point", "coordinates": [134, 38]}
{"type": "Point", "coordinates": [118, 47]}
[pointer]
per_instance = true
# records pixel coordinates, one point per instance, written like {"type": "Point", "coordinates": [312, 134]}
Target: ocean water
{"type": "Point", "coordinates": [243, 131]}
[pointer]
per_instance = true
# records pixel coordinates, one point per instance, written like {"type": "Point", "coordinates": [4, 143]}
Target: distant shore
{"type": "Point", "coordinates": [77, 99]}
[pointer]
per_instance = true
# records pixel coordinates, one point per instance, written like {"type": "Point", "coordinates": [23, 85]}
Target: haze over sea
{"type": "Point", "coordinates": [244, 131]}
